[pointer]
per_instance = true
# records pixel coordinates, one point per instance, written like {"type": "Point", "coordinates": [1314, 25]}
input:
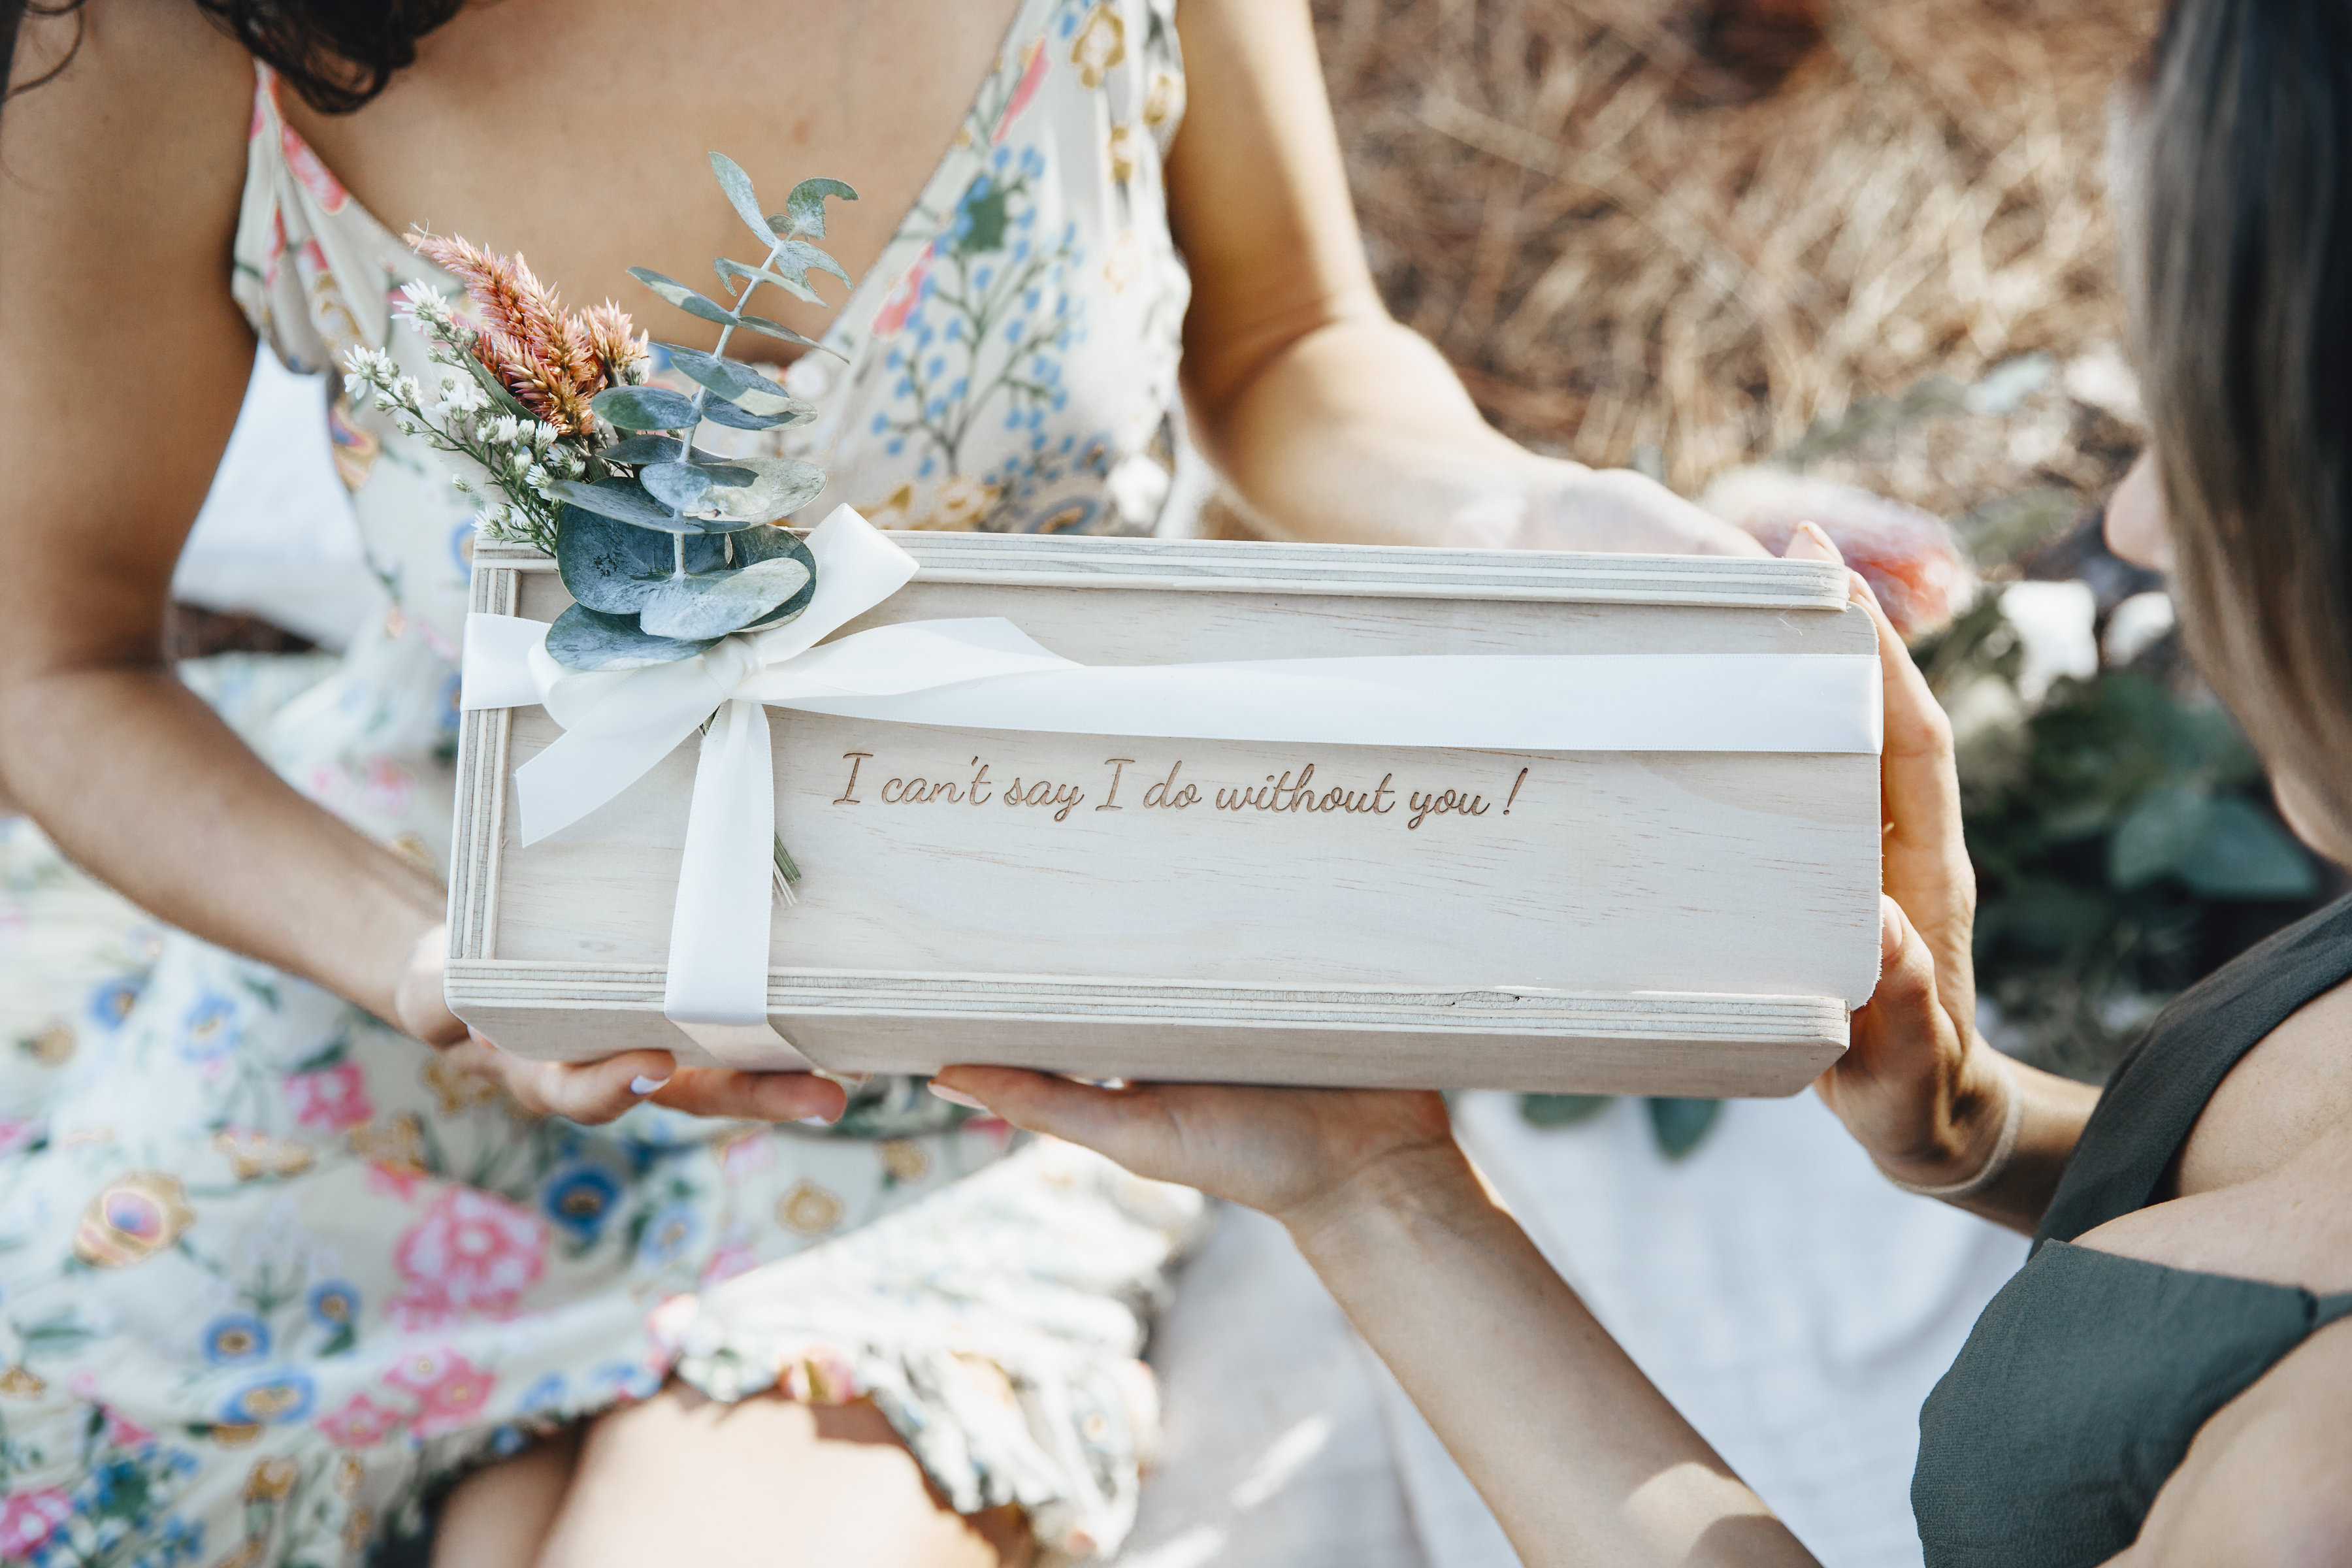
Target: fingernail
{"type": "Point", "coordinates": [815, 1120]}
{"type": "Point", "coordinates": [1811, 543]}
{"type": "Point", "coordinates": [957, 1096]}
{"type": "Point", "coordinates": [642, 1085]}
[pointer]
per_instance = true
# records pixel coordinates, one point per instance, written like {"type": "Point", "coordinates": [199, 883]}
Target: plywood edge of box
{"type": "Point", "coordinates": [1638, 1043]}
{"type": "Point", "coordinates": [1211, 565]}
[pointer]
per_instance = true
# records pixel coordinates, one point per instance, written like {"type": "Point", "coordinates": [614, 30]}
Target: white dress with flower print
{"type": "Point", "coordinates": [269, 1271]}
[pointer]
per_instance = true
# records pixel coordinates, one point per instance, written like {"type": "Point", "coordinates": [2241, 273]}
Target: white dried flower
{"type": "Point", "coordinates": [543, 434]}
{"type": "Point", "coordinates": [464, 486]}
{"type": "Point", "coordinates": [504, 431]}
{"type": "Point", "coordinates": [538, 478]}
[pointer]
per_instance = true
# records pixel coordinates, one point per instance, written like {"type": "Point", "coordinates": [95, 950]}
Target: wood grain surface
{"type": "Point", "coordinates": [1680, 922]}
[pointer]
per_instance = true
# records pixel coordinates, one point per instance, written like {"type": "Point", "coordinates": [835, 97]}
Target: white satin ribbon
{"type": "Point", "coordinates": [985, 674]}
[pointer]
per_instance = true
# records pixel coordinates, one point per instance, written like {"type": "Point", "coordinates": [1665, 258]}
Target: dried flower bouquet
{"type": "Point", "coordinates": [665, 548]}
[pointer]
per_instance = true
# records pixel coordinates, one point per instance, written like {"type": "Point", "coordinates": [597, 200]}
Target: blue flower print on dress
{"type": "Point", "coordinates": [111, 999]}
{"type": "Point", "coordinates": [235, 1338]}
{"type": "Point", "coordinates": [669, 1235]}
{"type": "Point", "coordinates": [282, 1394]}
{"type": "Point", "coordinates": [580, 1200]}
{"type": "Point", "coordinates": [209, 1030]}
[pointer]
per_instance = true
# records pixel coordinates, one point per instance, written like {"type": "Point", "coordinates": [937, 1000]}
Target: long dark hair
{"type": "Point", "coordinates": [337, 54]}
{"type": "Point", "coordinates": [2238, 256]}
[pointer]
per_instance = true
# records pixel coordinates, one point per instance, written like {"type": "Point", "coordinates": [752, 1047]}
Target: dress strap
{"type": "Point", "coordinates": [2155, 1096]}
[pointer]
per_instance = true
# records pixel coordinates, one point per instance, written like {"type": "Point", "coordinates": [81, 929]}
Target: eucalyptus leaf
{"type": "Point", "coordinates": [736, 272]}
{"type": "Point", "coordinates": [715, 603]}
{"type": "Point", "coordinates": [684, 297]}
{"type": "Point", "coordinates": [738, 187]}
{"type": "Point", "coordinates": [613, 567]}
{"type": "Point", "coordinates": [804, 211]}
{"type": "Point", "coordinates": [765, 543]}
{"type": "Point", "coordinates": [680, 486]}
{"type": "Point", "coordinates": [720, 412]}
{"type": "Point", "coordinates": [737, 383]}
{"type": "Point", "coordinates": [641, 449]}
{"type": "Point", "coordinates": [799, 256]}
{"type": "Point", "coordinates": [583, 638]}
{"type": "Point", "coordinates": [778, 330]}
{"type": "Point", "coordinates": [781, 486]}
{"type": "Point", "coordinates": [625, 499]}
{"type": "Point", "coordinates": [645, 409]}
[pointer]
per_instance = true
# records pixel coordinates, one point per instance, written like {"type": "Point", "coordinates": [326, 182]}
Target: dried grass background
{"type": "Point", "coordinates": [1677, 234]}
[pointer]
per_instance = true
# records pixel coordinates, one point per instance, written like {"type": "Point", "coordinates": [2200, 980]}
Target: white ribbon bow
{"type": "Point", "coordinates": [985, 674]}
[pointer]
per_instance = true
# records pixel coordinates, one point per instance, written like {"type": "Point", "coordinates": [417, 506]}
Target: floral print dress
{"type": "Point", "coordinates": [271, 1273]}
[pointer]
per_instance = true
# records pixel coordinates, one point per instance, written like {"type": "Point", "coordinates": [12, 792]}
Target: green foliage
{"type": "Point", "coordinates": [2123, 839]}
{"type": "Point", "coordinates": [1676, 1124]}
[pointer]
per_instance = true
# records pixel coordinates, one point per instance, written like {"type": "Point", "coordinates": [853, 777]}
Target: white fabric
{"type": "Point", "coordinates": [277, 538]}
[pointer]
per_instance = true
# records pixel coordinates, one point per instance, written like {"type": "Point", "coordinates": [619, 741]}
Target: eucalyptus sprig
{"type": "Point", "coordinates": [665, 548]}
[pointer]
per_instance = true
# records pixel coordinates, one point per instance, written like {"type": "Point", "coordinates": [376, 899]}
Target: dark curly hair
{"type": "Point", "coordinates": [337, 54]}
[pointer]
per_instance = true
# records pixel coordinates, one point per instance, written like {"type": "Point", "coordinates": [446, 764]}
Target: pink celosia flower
{"type": "Point", "coordinates": [331, 1098]}
{"type": "Point", "coordinates": [471, 1255]}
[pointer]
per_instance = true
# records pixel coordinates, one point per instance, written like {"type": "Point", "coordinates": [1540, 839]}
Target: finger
{"type": "Point", "coordinates": [1902, 1029]}
{"type": "Point", "coordinates": [588, 1092]}
{"type": "Point", "coordinates": [1128, 1125]}
{"type": "Point", "coordinates": [754, 1096]}
{"type": "Point", "coordinates": [1811, 543]}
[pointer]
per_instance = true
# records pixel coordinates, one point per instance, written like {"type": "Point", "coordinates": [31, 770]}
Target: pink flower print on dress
{"type": "Point", "coordinates": [472, 1256]}
{"type": "Point", "coordinates": [904, 297]}
{"type": "Point", "coordinates": [386, 786]}
{"type": "Point", "coordinates": [1033, 76]}
{"type": "Point", "coordinates": [361, 1423]}
{"type": "Point", "coordinates": [311, 174]}
{"type": "Point", "coordinates": [331, 1098]}
{"type": "Point", "coordinates": [727, 1262]}
{"type": "Point", "coordinates": [28, 1519]}
{"type": "Point", "coordinates": [17, 1132]}
{"type": "Point", "coordinates": [455, 1399]}
{"type": "Point", "coordinates": [125, 1433]}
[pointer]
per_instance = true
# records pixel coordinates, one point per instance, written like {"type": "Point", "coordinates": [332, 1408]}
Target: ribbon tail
{"type": "Point", "coordinates": [718, 983]}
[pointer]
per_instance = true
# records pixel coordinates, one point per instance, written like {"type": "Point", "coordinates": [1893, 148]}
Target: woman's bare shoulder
{"type": "Point", "coordinates": [149, 80]}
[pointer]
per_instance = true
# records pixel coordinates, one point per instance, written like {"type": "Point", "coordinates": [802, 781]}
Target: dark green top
{"type": "Point", "coordinates": [2083, 1384]}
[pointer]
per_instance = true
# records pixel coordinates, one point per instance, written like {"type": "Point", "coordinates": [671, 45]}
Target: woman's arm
{"type": "Point", "coordinates": [1330, 420]}
{"type": "Point", "coordinates": [127, 360]}
{"type": "Point", "coordinates": [1578, 1455]}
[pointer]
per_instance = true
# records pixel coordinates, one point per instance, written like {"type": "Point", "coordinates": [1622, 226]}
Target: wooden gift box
{"type": "Point", "coordinates": [1693, 923]}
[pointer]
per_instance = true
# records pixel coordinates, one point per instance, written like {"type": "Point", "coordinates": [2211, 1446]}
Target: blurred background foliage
{"type": "Point", "coordinates": [1863, 246]}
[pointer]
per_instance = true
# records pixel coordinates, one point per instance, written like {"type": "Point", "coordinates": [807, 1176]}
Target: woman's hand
{"type": "Point", "coordinates": [593, 1093]}
{"type": "Point", "coordinates": [1298, 1155]}
{"type": "Point", "coordinates": [1471, 490]}
{"type": "Point", "coordinates": [1917, 1088]}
